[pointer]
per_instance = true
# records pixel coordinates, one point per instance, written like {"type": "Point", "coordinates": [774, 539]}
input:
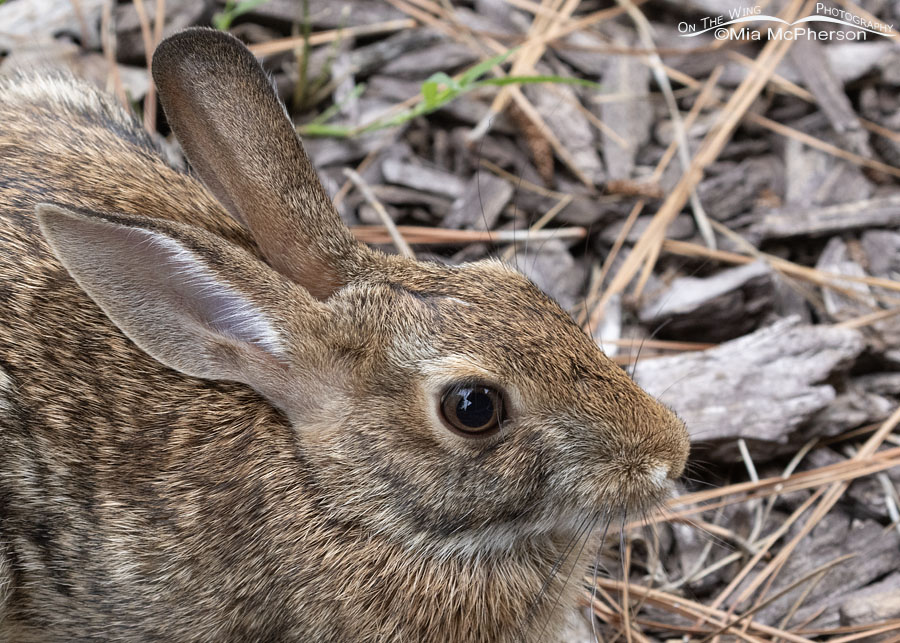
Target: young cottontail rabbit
{"type": "Point", "coordinates": [253, 428]}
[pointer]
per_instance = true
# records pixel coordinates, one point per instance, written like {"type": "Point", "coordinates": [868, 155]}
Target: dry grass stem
{"type": "Point", "coordinates": [282, 45]}
{"type": "Point", "coordinates": [396, 237]}
{"type": "Point", "coordinates": [438, 236]}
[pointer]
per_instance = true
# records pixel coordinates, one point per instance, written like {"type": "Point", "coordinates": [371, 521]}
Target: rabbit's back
{"type": "Point", "coordinates": [62, 142]}
{"type": "Point", "coordinates": [66, 143]}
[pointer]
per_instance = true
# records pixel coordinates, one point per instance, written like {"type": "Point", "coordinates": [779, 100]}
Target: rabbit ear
{"type": "Point", "coordinates": [239, 139]}
{"type": "Point", "coordinates": [169, 288]}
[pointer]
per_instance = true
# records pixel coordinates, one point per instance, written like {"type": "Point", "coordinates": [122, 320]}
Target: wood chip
{"type": "Point", "coordinates": [849, 411]}
{"type": "Point", "coordinates": [882, 248]}
{"type": "Point", "coordinates": [557, 106]}
{"type": "Point", "coordinates": [629, 119]}
{"type": "Point", "coordinates": [681, 228]}
{"type": "Point", "coordinates": [877, 602]}
{"type": "Point", "coordinates": [328, 14]}
{"type": "Point", "coordinates": [818, 221]}
{"type": "Point", "coordinates": [816, 178]}
{"type": "Point", "coordinates": [370, 58]}
{"type": "Point", "coordinates": [840, 307]}
{"type": "Point", "coordinates": [420, 177]}
{"type": "Point", "coordinates": [550, 265]}
{"type": "Point", "coordinates": [481, 203]}
{"type": "Point", "coordinates": [760, 387]}
{"type": "Point", "coordinates": [180, 14]}
{"type": "Point", "coordinates": [443, 56]}
{"type": "Point", "coordinates": [586, 52]}
{"type": "Point", "coordinates": [811, 62]}
{"type": "Point", "coordinates": [609, 331]}
{"type": "Point", "coordinates": [850, 61]}
{"type": "Point", "coordinates": [879, 555]}
{"type": "Point", "coordinates": [732, 190]}
{"type": "Point", "coordinates": [726, 305]}
{"type": "Point", "coordinates": [29, 21]}
{"type": "Point", "coordinates": [330, 151]}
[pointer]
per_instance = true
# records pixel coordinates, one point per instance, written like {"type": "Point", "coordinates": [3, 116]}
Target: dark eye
{"type": "Point", "coordinates": [473, 409]}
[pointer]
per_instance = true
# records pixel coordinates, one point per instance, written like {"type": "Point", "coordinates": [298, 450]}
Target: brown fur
{"type": "Point", "coordinates": [303, 489]}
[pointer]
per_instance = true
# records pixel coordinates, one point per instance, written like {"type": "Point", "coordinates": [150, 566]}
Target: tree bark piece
{"type": "Point", "coordinates": [419, 177]}
{"type": "Point", "coordinates": [878, 554]}
{"type": "Point", "coordinates": [481, 203]}
{"type": "Point", "coordinates": [761, 387]}
{"type": "Point", "coordinates": [819, 221]}
{"type": "Point", "coordinates": [712, 309]}
{"type": "Point", "coordinates": [810, 61]}
{"type": "Point", "coordinates": [630, 117]}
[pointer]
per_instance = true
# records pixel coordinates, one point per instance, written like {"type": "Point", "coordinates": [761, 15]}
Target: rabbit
{"type": "Point", "coordinates": [224, 419]}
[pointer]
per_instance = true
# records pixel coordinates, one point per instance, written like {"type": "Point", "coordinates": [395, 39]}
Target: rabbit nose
{"type": "Point", "coordinates": [668, 467]}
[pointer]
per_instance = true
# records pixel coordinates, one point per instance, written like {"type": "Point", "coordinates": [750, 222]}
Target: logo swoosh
{"type": "Point", "coordinates": [737, 20]}
{"type": "Point", "coordinates": [840, 22]}
{"type": "Point", "coordinates": [764, 18]}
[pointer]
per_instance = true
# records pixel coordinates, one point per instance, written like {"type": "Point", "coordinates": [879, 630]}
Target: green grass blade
{"type": "Point", "coordinates": [474, 73]}
{"type": "Point", "coordinates": [223, 19]}
{"type": "Point", "coordinates": [533, 80]}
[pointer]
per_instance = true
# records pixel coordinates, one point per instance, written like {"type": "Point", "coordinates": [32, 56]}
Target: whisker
{"type": "Point", "coordinates": [699, 482]}
{"type": "Point", "coordinates": [594, 579]}
{"type": "Point", "coordinates": [532, 607]}
{"type": "Point", "coordinates": [624, 577]}
{"type": "Point", "coordinates": [652, 336]}
{"type": "Point", "coordinates": [587, 536]}
{"type": "Point", "coordinates": [559, 561]}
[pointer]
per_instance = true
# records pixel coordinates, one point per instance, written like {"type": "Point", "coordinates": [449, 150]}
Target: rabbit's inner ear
{"type": "Point", "coordinates": [206, 298]}
{"type": "Point", "coordinates": [162, 285]}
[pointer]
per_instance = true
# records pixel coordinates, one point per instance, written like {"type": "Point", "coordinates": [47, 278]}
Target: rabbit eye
{"type": "Point", "coordinates": [472, 409]}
